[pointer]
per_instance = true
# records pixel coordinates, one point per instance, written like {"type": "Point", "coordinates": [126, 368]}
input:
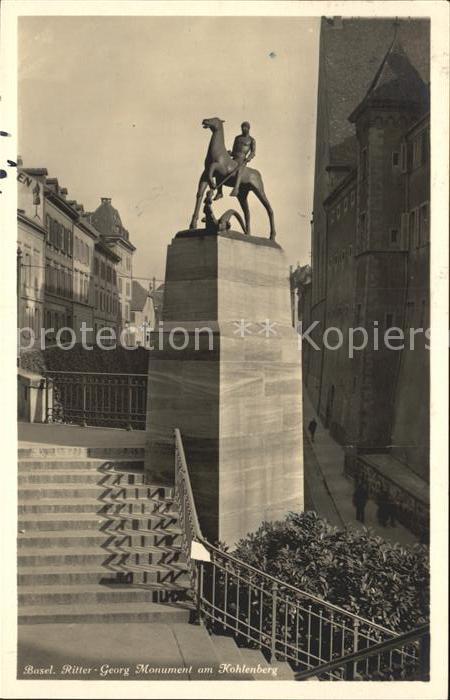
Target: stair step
{"type": "Point", "coordinates": [39, 557]}
{"type": "Point", "coordinates": [88, 612]}
{"type": "Point", "coordinates": [82, 505]}
{"type": "Point", "coordinates": [134, 575]}
{"type": "Point", "coordinates": [253, 657]}
{"type": "Point", "coordinates": [198, 651]}
{"type": "Point", "coordinates": [103, 478]}
{"type": "Point", "coordinates": [69, 594]}
{"type": "Point", "coordinates": [124, 465]}
{"type": "Point", "coordinates": [88, 538]}
{"type": "Point", "coordinates": [229, 653]}
{"type": "Point", "coordinates": [112, 492]}
{"type": "Point", "coordinates": [66, 451]}
{"type": "Point", "coordinates": [100, 521]}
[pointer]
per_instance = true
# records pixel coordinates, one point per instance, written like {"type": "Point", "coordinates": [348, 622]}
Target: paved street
{"type": "Point", "coordinates": [329, 491]}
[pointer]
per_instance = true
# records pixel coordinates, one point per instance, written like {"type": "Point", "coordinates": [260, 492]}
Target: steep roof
{"type": "Point", "coordinates": [107, 220]}
{"type": "Point", "coordinates": [351, 52]}
{"type": "Point", "coordinates": [139, 296]}
{"type": "Point", "coordinates": [396, 82]}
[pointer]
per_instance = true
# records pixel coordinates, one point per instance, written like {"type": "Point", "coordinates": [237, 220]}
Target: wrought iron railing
{"type": "Point", "coordinates": [97, 399]}
{"type": "Point", "coordinates": [284, 622]}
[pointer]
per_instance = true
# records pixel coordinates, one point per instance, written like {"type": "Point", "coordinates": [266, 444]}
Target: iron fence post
{"type": "Point", "coordinates": [424, 657]}
{"type": "Point", "coordinates": [355, 643]}
{"type": "Point", "coordinates": [84, 392]}
{"type": "Point", "coordinates": [47, 406]}
{"type": "Point", "coordinates": [199, 591]}
{"type": "Point", "coordinates": [274, 623]}
{"type": "Point", "coordinates": [130, 403]}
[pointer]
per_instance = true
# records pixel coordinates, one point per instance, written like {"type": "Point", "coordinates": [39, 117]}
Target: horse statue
{"type": "Point", "coordinates": [220, 165]}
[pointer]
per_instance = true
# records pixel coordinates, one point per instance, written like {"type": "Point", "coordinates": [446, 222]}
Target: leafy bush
{"type": "Point", "coordinates": [383, 582]}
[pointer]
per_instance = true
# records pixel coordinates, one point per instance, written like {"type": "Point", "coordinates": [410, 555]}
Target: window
{"type": "Point", "coordinates": [128, 263]}
{"type": "Point", "coordinates": [338, 211]}
{"type": "Point", "coordinates": [346, 204]}
{"type": "Point", "coordinates": [120, 285]}
{"type": "Point", "coordinates": [388, 320]}
{"type": "Point", "coordinates": [424, 147]}
{"type": "Point", "coordinates": [423, 308]}
{"type": "Point", "coordinates": [95, 266]}
{"type": "Point", "coordinates": [423, 224]}
{"type": "Point", "coordinates": [102, 270]}
{"type": "Point", "coordinates": [412, 227]}
{"type": "Point", "coordinates": [362, 229]}
{"type": "Point", "coordinates": [363, 164]}
{"type": "Point", "coordinates": [108, 273]}
{"type": "Point", "coordinates": [132, 316]}
{"type": "Point", "coordinates": [395, 159]}
{"type": "Point", "coordinates": [128, 289]}
{"type": "Point", "coordinates": [417, 152]}
{"type": "Point", "coordinates": [404, 157]}
{"type": "Point", "coordinates": [352, 198]}
{"type": "Point", "coordinates": [114, 277]}
{"type": "Point", "coordinates": [394, 236]}
{"type": "Point", "coordinates": [409, 314]}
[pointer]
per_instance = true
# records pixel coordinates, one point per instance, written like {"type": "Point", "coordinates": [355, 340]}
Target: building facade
{"type": "Point", "coordinates": [142, 314]}
{"type": "Point", "coordinates": [106, 293]}
{"type": "Point", "coordinates": [370, 240]}
{"type": "Point", "coordinates": [107, 221]}
{"type": "Point", "coordinates": [84, 239]}
{"type": "Point", "coordinates": [31, 236]}
{"type": "Point", "coordinates": [72, 274]}
{"type": "Point", "coordinates": [59, 223]}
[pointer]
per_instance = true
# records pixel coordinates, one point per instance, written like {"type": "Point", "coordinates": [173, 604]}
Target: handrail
{"type": "Point", "coordinates": [273, 580]}
{"type": "Point", "coordinates": [106, 374]}
{"type": "Point", "coordinates": [198, 532]}
{"type": "Point", "coordinates": [282, 620]}
{"type": "Point", "coordinates": [409, 637]}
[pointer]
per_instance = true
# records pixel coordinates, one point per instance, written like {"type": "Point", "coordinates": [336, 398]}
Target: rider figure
{"type": "Point", "coordinates": [244, 148]}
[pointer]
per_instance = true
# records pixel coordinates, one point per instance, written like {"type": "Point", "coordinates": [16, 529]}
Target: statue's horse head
{"type": "Point", "coordinates": [212, 123]}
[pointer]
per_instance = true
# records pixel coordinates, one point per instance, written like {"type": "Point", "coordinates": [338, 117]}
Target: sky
{"type": "Point", "coordinates": [112, 107]}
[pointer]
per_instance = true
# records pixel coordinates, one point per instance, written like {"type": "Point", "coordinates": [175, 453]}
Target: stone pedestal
{"type": "Point", "coordinates": [233, 387]}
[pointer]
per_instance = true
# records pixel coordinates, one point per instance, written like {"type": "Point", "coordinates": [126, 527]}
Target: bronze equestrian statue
{"type": "Point", "coordinates": [219, 164]}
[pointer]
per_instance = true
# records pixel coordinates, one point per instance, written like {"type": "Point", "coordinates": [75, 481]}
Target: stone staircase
{"type": "Point", "coordinates": [96, 545]}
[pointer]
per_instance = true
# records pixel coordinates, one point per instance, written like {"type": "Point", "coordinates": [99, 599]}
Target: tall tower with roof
{"type": "Point", "coordinates": [107, 220]}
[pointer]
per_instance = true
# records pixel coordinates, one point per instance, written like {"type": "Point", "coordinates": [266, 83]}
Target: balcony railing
{"type": "Point", "coordinates": [284, 622]}
{"type": "Point", "coordinates": [97, 399]}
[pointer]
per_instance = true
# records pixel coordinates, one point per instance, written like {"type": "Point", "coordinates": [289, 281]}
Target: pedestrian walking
{"type": "Point", "coordinates": [312, 427]}
{"type": "Point", "coordinates": [360, 498]}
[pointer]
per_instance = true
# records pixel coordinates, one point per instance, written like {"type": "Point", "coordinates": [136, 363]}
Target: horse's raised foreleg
{"type": "Point", "coordinates": [211, 170]}
{"type": "Point", "coordinates": [242, 197]}
{"type": "Point", "coordinates": [266, 204]}
{"type": "Point", "coordinates": [202, 185]}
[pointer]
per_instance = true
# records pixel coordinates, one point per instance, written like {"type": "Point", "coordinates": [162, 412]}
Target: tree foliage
{"type": "Point", "coordinates": [383, 582]}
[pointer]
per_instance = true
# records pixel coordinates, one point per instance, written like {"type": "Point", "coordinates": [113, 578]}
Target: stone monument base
{"type": "Point", "coordinates": [233, 386]}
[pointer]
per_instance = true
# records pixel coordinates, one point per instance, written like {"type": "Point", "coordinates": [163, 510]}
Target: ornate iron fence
{"type": "Point", "coordinates": [284, 622]}
{"type": "Point", "coordinates": [97, 399]}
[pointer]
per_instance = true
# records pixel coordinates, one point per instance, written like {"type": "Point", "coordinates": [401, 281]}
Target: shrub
{"type": "Point", "coordinates": [383, 582]}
